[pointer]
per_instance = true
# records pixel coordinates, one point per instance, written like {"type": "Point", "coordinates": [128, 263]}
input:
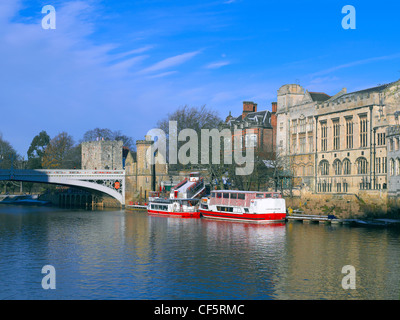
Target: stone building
{"type": "Point", "coordinates": [262, 123]}
{"type": "Point", "coordinates": [141, 176]}
{"type": "Point", "coordinates": [393, 156]}
{"type": "Point", "coordinates": [102, 154]}
{"type": "Point", "coordinates": [336, 144]}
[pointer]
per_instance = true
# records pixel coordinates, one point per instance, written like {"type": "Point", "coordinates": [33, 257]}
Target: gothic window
{"type": "Point", "coordinates": [363, 131]}
{"type": "Point", "coordinates": [302, 125]}
{"type": "Point", "coordinates": [362, 165]}
{"type": "Point", "coordinates": [324, 168]}
{"type": "Point", "coordinates": [349, 133]}
{"type": "Point", "coordinates": [397, 166]}
{"type": "Point", "coordinates": [302, 141]}
{"type": "Point", "coordinates": [346, 167]}
{"type": "Point", "coordinates": [336, 134]}
{"type": "Point", "coordinates": [337, 166]}
{"type": "Point", "coordinates": [324, 136]}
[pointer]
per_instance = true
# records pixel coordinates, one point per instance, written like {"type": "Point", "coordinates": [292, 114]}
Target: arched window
{"type": "Point", "coordinates": [392, 165]}
{"type": "Point", "coordinates": [324, 168]}
{"type": "Point", "coordinates": [397, 166]}
{"type": "Point", "coordinates": [346, 166]}
{"type": "Point", "coordinates": [362, 165]}
{"type": "Point", "coordinates": [337, 166]}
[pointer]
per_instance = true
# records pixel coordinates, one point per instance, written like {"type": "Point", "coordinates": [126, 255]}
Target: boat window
{"type": "Point", "coordinates": [268, 195]}
{"type": "Point", "coordinates": [226, 195]}
{"type": "Point", "coordinates": [218, 195]}
{"type": "Point", "coordinates": [276, 195]}
{"type": "Point", "coordinates": [241, 196]}
{"type": "Point", "coordinates": [259, 195]}
{"type": "Point", "coordinates": [213, 195]}
{"type": "Point", "coordinates": [246, 209]}
{"type": "Point", "coordinates": [233, 195]}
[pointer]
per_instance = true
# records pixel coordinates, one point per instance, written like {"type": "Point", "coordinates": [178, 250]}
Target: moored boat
{"type": "Point", "coordinates": [185, 208]}
{"type": "Point", "coordinates": [183, 199]}
{"type": "Point", "coordinates": [248, 206]}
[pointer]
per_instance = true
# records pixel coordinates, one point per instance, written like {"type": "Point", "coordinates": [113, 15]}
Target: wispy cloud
{"type": "Point", "coordinates": [170, 62]}
{"type": "Point", "coordinates": [162, 75]}
{"type": "Point", "coordinates": [132, 52]}
{"type": "Point", "coordinates": [355, 63]}
{"type": "Point", "coordinates": [216, 65]}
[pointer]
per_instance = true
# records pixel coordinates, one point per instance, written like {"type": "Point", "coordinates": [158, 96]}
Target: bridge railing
{"type": "Point", "coordinates": [63, 172]}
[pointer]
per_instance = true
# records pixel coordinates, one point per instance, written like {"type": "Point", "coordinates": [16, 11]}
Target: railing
{"type": "Point", "coordinates": [180, 184]}
{"type": "Point", "coordinates": [195, 188]}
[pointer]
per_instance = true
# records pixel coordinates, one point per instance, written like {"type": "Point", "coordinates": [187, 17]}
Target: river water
{"type": "Point", "coordinates": [130, 255]}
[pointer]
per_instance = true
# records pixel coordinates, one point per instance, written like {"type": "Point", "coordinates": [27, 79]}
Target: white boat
{"type": "Point", "coordinates": [248, 206]}
{"type": "Point", "coordinates": [183, 199]}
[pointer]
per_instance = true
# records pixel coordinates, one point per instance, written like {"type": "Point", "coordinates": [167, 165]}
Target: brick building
{"type": "Point", "coordinates": [261, 123]}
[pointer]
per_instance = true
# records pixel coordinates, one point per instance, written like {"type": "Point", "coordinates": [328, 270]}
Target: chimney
{"type": "Point", "coordinates": [274, 107]}
{"type": "Point", "coordinates": [248, 107]}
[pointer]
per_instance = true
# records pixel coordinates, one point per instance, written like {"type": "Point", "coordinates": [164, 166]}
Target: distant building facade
{"type": "Point", "coordinates": [102, 154]}
{"type": "Point", "coordinates": [337, 144]}
{"type": "Point", "coordinates": [393, 156]}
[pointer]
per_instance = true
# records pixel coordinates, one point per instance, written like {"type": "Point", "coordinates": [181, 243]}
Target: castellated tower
{"type": "Point", "coordinates": [289, 95]}
{"type": "Point", "coordinates": [102, 155]}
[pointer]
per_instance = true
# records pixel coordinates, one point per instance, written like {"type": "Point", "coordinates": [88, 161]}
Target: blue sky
{"type": "Point", "coordinates": [125, 64]}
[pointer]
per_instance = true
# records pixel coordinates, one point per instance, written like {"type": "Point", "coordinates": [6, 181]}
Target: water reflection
{"type": "Point", "coordinates": [130, 255]}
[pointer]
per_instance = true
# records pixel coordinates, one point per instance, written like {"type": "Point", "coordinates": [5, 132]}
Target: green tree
{"type": "Point", "coordinates": [37, 149]}
{"type": "Point", "coordinates": [7, 154]}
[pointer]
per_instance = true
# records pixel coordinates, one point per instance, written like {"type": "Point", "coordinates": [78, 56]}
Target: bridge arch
{"type": "Point", "coordinates": [110, 182]}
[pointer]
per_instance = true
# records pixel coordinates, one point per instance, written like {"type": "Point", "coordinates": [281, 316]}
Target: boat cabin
{"type": "Point", "coordinates": [174, 205]}
{"type": "Point", "coordinates": [239, 198]}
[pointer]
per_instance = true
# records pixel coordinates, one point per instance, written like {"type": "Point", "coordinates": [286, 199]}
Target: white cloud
{"type": "Point", "coordinates": [356, 63]}
{"type": "Point", "coordinates": [170, 62]}
{"type": "Point", "coordinates": [216, 65]}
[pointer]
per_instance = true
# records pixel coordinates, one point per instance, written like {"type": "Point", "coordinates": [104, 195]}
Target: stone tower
{"type": "Point", "coordinates": [102, 155]}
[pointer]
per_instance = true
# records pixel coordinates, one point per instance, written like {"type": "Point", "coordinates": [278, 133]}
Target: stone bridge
{"type": "Point", "coordinates": [111, 182]}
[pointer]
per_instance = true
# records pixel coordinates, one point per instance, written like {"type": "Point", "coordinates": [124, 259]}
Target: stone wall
{"type": "Point", "coordinates": [97, 155]}
{"type": "Point", "coordinates": [343, 206]}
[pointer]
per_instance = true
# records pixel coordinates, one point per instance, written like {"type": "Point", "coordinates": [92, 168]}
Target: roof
{"type": "Point", "coordinates": [239, 191]}
{"type": "Point", "coordinates": [258, 117]}
{"type": "Point", "coordinates": [373, 89]}
{"type": "Point", "coordinates": [368, 90]}
{"type": "Point", "coordinates": [319, 96]}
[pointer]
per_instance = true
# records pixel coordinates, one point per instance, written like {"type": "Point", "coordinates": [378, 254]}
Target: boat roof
{"type": "Point", "coordinates": [174, 199]}
{"type": "Point", "coordinates": [238, 191]}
